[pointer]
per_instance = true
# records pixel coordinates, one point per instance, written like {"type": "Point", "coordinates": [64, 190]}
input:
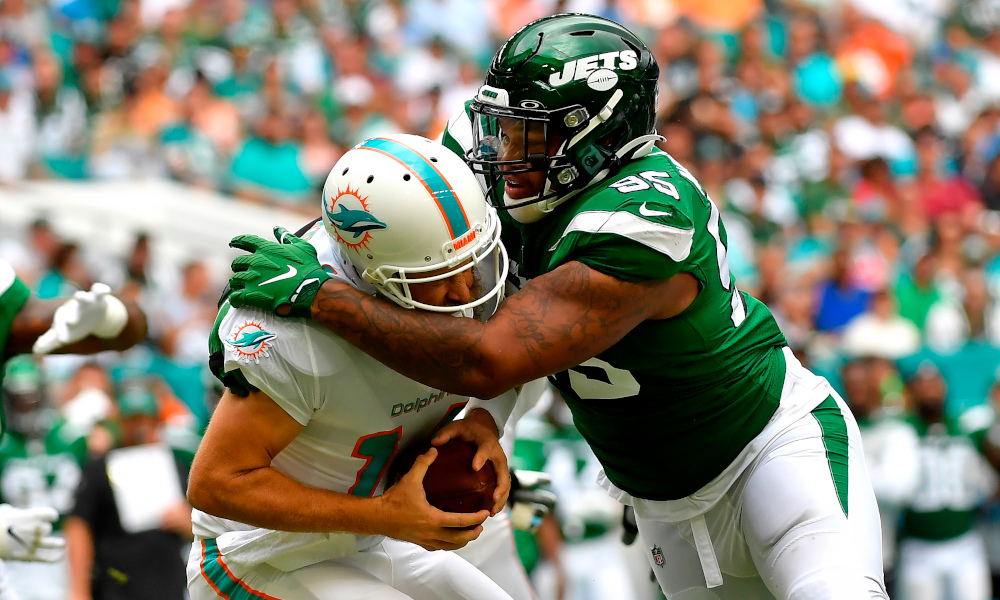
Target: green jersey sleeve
{"type": "Point", "coordinates": [232, 379]}
{"type": "Point", "coordinates": [698, 386]}
{"type": "Point", "coordinates": [638, 239]}
{"type": "Point", "coordinates": [457, 135]}
{"type": "Point", "coordinates": [13, 295]}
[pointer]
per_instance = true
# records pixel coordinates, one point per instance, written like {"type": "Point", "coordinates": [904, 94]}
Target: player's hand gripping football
{"type": "Point", "coordinates": [283, 274]}
{"type": "Point", "coordinates": [478, 429]}
{"type": "Point", "coordinates": [404, 514]}
{"type": "Point", "coordinates": [26, 534]}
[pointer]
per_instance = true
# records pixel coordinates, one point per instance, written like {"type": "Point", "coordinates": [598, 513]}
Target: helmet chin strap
{"type": "Point", "coordinates": [641, 145]}
{"type": "Point", "coordinates": [602, 115]}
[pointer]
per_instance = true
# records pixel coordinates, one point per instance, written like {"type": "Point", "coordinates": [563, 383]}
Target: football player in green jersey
{"type": "Point", "coordinates": [940, 549]}
{"type": "Point", "coordinates": [744, 469]}
{"type": "Point", "coordinates": [41, 456]}
{"type": "Point", "coordinates": [87, 322]}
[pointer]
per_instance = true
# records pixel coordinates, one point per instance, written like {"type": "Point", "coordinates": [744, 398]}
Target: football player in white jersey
{"type": "Point", "coordinates": [288, 482]}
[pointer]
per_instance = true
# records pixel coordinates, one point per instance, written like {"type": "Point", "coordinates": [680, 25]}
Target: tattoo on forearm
{"type": "Point", "coordinates": [598, 314]}
{"type": "Point", "coordinates": [553, 321]}
{"type": "Point", "coordinates": [388, 332]}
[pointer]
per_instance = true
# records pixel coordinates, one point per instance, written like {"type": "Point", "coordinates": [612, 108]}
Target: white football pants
{"type": "Point", "coordinates": [495, 554]}
{"type": "Point", "coordinates": [936, 570]}
{"type": "Point", "coordinates": [391, 570]}
{"type": "Point", "coordinates": [782, 530]}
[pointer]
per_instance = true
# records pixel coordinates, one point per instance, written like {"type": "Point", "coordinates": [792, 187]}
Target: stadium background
{"type": "Point", "coordinates": [852, 146]}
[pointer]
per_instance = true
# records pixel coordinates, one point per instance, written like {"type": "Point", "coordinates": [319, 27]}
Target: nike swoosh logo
{"type": "Point", "coordinates": [291, 273]}
{"type": "Point", "coordinates": [649, 212]}
{"type": "Point", "coordinates": [10, 532]}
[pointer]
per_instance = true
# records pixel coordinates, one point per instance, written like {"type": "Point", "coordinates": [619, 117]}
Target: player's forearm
{"type": "Point", "coordinates": [555, 322]}
{"type": "Point", "coordinates": [435, 349]}
{"type": "Point", "coordinates": [266, 498]}
{"type": "Point", "coordinates": [80, 555]}
{"type": "Point", "coordinates": [36, 318]}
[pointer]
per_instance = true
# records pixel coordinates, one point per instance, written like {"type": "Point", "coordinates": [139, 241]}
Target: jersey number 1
{"type": "Point", "coordinates": [378, 449]}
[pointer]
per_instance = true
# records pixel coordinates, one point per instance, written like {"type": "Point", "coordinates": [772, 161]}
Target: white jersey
{"type": "Point", "coordinates": [357, 412]}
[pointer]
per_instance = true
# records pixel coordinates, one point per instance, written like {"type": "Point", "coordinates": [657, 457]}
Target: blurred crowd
{"type": "Point", "coordinates": [853, 148]}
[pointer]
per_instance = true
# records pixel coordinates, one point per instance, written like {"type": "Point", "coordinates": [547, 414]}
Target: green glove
{"type": "Point", "coordinates": [276, 274]}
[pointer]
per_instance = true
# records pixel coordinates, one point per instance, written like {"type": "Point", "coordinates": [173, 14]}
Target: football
{"type": "Point", "coordinates": [450, 483]}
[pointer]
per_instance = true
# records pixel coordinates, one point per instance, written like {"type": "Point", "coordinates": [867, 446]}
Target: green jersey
{"type": "Point", "coordinates": [13, 295]}
{"type": "Point", "coordinates": [954, 479]}
{"type": "Point", "coordinates": [42, 471]}
{"type": "Point", "coordinates": [681, 396]}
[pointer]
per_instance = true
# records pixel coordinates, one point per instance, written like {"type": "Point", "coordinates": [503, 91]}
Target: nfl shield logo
{"type": "Point", "coordinates": [657, 556]}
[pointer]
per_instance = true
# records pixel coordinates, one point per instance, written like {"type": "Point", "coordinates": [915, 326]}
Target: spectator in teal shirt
{"type": "Point", "coordinates": [66, 273]}
{"type": "Point", "coordinates": [268, 166]}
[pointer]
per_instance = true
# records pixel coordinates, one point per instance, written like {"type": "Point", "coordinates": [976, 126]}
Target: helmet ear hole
{"type": "Point", "coordinates": [406, 177]}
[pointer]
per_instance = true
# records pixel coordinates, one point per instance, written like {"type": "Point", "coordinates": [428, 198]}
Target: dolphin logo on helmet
{"type": "Point", "coordinates": [354, 221]}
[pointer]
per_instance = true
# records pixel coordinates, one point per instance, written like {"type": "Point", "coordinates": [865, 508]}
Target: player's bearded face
{"type": "Point", "coordinates": [460, 288]}
{"type": "Point", "coordinates": [516, 144]}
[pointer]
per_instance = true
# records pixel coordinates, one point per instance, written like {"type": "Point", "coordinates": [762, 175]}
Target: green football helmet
{"type": "Point", "coordinates": [24, 399]}
{"type": "Point", "coordinates": [583, 85]}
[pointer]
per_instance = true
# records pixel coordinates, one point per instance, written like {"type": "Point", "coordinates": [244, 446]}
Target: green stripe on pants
{"type": "Point", "coordinates": [831, 422]}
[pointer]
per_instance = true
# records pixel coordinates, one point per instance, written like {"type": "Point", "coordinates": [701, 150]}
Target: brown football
{"type": "Point", "coordinates": [450, 483]}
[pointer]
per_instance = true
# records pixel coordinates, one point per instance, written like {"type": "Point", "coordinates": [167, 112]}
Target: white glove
{"type": "Point", "coordinates": [95, 312]}
{"type": "Point", "coordinates": [25, 534]}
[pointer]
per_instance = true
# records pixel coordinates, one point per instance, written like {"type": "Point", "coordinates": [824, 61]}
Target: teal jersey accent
{"type": "Point", "coordinates": [952, 486]}
{"type": "Point", "coordinates": [12, 299]}
{"type": "Point", "coordinates": [668, 407]}
{"type": "Point", "coordinates": [44, 471]}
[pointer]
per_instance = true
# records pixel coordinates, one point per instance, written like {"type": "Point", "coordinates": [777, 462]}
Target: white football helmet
{"type": "Point", "coordinates": [406, 210]}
